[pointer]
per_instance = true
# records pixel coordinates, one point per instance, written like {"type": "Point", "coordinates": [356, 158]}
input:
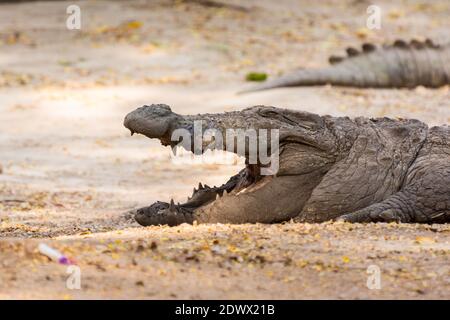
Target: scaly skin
{"type": "Point", "coordinates": [358, 170]}
{"type": "Point", "coordinates": [401, 65]}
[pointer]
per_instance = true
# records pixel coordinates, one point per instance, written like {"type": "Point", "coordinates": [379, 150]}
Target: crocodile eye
{"type": "Point", "coordinates": [275, 115]}
{"type": "Point", "coordinates": [269, 113]}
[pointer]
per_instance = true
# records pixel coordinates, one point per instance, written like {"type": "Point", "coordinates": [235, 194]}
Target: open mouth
{"type": "Point", "coordinates": [202, 196]}
{"type": "Point", "coordinates": [262, 191]}
{"type": "Point", "coordinates": [158, 121]}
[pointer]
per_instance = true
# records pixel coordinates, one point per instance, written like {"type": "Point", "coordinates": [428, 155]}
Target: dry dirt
{"type": "Point", "coordinates": [69, 170]}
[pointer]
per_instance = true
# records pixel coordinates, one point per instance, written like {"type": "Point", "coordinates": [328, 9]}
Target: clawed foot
{"type": "Point", "coordinates": [345, 218]}
{"type": "Point", "coordinates": [371, 215]}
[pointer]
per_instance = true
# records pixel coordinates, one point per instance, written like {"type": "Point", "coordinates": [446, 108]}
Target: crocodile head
{"type": "Point", "coordinates": [287, 154]}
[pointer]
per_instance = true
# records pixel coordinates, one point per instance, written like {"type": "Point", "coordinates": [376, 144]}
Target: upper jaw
{"type": "Point", "coordinates": [158, 121]}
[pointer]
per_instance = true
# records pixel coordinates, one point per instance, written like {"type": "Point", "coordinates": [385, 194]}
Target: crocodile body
{"type": "Point", "coordinates": [356, 170]}
{"type": "Point", "coordinates": [400, 65]}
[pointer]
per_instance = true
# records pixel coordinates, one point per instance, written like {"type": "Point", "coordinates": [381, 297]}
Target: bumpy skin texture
{"type": "Point", "coordinates": [400, 65]}
{"type": "Point", "coordinates": [356, 170]}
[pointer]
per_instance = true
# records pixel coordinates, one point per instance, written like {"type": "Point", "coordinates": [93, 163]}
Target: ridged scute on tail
{"type": "Point", "coordinates": [367, 48]}
{"type": "Point", "coordinates": [398, 65]}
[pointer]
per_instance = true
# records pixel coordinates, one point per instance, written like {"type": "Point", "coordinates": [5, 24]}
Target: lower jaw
{"type": "Point", "coordinates": [206, 204]}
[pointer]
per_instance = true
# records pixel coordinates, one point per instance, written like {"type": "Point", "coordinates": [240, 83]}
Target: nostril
{"type": "Point", "coordinates": [128, 120]}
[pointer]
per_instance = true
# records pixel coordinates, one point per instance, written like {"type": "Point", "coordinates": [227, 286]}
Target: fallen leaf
{"type": "Point", "coordinates": [424, 240]}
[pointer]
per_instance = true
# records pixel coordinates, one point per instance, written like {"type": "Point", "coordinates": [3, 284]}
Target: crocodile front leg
{"type": "Point", "coordinates": [424, 198]}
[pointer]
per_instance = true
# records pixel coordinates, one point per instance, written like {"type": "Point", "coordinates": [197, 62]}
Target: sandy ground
{"type": "Point", "coordinates": [69, 170]}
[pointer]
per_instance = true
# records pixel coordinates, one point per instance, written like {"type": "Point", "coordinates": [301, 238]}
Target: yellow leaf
{"type": "Point", "coordinates": [318, 267]}
{"type": "Point", "coordinates": [162, 272]}
{"type": "Point", "coordinates": [362, 33]}
{"type": "Point", "coordinates": [395, 14]}
{"type": "Point", "coordinates": [134, 24]}
{"type": "Point", "coordinates": [102, 143]}
{"type": "Point", "coordinates": [302, 263]}
{"type": "Point", "coordinates": [424, 240]}
{"type": "Point", "coordinates": [115, 256]}
{"type": "Point", "coordinates": [102, 29]}
{"type": "Point", "coordinates": [149, 48]}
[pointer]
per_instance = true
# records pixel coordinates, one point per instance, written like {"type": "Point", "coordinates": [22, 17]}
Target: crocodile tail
{"type": "Point", "coordinates": [397, 65]}
{"type": "Point", "coordinates": [304, 77]}
{"type": "Point", "coordinates": [340, 72]}
{"type": "Point", "coordinates": [401, 64]}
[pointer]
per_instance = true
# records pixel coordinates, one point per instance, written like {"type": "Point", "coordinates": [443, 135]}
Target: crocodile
{"type": "Point", "coordinates": [398, 65]}
{"type": "Point", "coordinates": [330, 168]}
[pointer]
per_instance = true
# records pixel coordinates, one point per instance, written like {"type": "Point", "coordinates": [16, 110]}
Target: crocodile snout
{"type": "Point", "coordinates": [153, 121]}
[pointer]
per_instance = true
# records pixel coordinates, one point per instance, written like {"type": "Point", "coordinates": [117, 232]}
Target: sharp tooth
{"type": "Point", "coordinates": [206, 186]}
{"type": "Point", "coordinates": [217, 196]}
{"type": "Point", "coordinates": [171, 205]}
{"type": "Point", "coordinates": [195, 190]}
{"type": "Point", "coordinates": [225, 193]}
{"type": "Point", "coordinates": [200, 186]}
{"type": "Point", "coordinates": [242, 191]}
{"type": "Point", "coordinates": [132, 132]}
{"type": "Point", "coordinates": [189, 198]}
